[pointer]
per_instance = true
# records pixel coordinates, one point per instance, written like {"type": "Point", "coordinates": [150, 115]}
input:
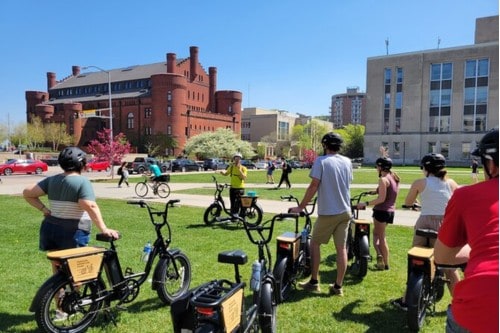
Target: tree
{"type": "Point", "coordinates": [36, 133]}
{"type": "Point", "coordinates": [353, 136]}
{"type": "Point", "coordinates": [221, 143]}
{"type": "Point", "coordinates": [158, 144]}
{"type": "Point", "coordinates": [55, 133]}
{"type": "Point", "coordinates": [111, 150]}
{"type": "Point", "coordinates": [19, 135]}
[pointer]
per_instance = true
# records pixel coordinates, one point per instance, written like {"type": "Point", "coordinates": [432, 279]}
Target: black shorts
{"type": "Point", "coordinates": [383, 216]}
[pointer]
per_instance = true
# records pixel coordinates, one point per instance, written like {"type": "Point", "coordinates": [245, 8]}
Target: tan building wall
{"type": "Point", "coordinates": [413, 138]}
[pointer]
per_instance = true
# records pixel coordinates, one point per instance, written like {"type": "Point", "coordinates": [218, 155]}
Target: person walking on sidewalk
{"type": "Point", "coordinates": [383, 210]}
{"type": "Point", "coordinates": [286, 169]}
{"type": "Point", "coordinates": [270, 171]}
{"type": "Point", "coordinates": [435, 190]}
{"type": "Point", "coordinates": [123, 173]}
{"type": "Point", "coordinates": [331, 176]}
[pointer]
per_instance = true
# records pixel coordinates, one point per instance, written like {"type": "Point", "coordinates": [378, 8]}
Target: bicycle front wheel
{"type": "Point", "coordinates": [163, 190]}
{"type": "Point", "coordinates": [141, 189]}
{"type": "Point", "coordinates": [64, 308]}
{"type": "Point", "coordinates": [253, 214]}
{"type": "Point", "coordinates": [267, 309]}
{"type": "Point", "coordinates": [172, 282]}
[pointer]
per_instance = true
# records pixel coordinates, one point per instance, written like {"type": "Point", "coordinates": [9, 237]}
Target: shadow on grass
{"type": "Point", "coordinates": [9, 322]}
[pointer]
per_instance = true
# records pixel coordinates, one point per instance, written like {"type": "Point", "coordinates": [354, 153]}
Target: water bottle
{"type": "Point", "coordinates": [303, 236]}
{"type": "Point", "coordinates": [146, 251]}
{"type": "Point", "coordinates": [255, 280]}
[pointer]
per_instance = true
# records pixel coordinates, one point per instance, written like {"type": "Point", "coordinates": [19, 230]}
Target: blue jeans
{"type": "Point", "coordinates": [451, 325]}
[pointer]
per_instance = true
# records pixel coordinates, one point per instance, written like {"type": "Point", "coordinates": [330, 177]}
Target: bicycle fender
{"type": "Point", "coordinates": [48, 284]}
{"type": "Point", "coordinates": [364, 247]}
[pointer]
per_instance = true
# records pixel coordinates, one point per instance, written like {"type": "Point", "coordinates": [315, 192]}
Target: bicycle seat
{"type": "Point", "coordinates": [237, 257]}
{"type": "Point", "coordinates": [427, 233]}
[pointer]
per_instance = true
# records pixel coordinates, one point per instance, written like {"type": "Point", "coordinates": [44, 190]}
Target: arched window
{"type": "Point", "coordinates": [130, 120]}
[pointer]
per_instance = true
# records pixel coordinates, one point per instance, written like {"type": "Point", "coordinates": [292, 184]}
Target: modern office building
{"type": "Point", "coordinates": [441, 100]}
{"type": "Point", "coordinates": [348, 108]}
{"type": "Point", "coordinates": [175, 99]}
{"type": "Point", "coordinates": [273, 127]}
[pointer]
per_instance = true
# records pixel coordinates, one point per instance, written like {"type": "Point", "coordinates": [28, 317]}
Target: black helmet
{"type": "Point", "coordinates": [433, 162]}
{"type": "Point", "coordinates": [385, 163]}
{"type": "Point", "coordinates": [72, 159]}
{"type": "Point", "coordinates": [488, 147]}
{"type": "Point", "coordinates": [332, 140]}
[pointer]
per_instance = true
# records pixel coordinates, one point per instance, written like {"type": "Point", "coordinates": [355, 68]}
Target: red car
{"type": "Point", "coordinates": [15, 165]}
{"type": "Point", "coordinates": [97, 165]}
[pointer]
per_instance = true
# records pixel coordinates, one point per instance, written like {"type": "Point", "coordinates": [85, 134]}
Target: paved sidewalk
{"type": "Point", "coordinates": [14, 185]}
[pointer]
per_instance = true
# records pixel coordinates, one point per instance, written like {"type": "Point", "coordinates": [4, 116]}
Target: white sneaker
{"type": "Point", "coordinates": [60, 315]}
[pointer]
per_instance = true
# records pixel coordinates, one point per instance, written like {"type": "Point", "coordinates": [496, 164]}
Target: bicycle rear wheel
{"type": "Point", "coordinates": [417, 298]}
{"type": "Point", "coordinates": [163, 190]}
{"type": "Point", "coordinates": [66, 309]}
{"type": "Point", "coordinates": [141, 189]}
{"type": "Point", "coordinates": [253, 214]}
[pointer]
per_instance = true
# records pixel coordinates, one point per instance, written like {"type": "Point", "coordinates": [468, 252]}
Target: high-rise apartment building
{"type": "Point", "coordinates": [348, 108]}
{"type": "Point", "coordinates": [441, 100]}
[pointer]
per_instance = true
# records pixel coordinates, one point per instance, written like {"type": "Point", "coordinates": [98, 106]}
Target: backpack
{"type": "Point", "coordinates": [272, 167]}
{"type": "Point", "coordinates": [288, 168]}
{"type": "Point", "coordinates": [119, 172]}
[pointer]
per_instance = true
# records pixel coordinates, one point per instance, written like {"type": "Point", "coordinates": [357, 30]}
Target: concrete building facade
{"type": "Point", "coordinates": [175, 99]}
{"type": "Point", "coordinates": [441, 100]}
{"type": "Point", "coordinates": [348, 108]}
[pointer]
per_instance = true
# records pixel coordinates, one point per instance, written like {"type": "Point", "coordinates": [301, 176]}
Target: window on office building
{"type": "Point", "coordinates": [130, 120]}
{"type": "Point", "coordinates": [169, 129]}
{"type": "Point", "coordinates": [356, 110]}
{"type": "Point", "coordinates": [475, 95]}
{"type": "Point", "coordinates": [283, 130]}
{"type": "Point", "coordinates": [148, 130]}
{"type": "Point", "coordinates": [399, 100]}
{"type": "Point", "coordinates": [440, 97]}
{"type": "Point", "coordinates": [445, 149]}
{"type": "Point", "coordinates": [147, 113]}
{"type": "Point", "coordinates": [431, 147]}
{"type": "Point", "coordinates": [466, 148]}
{"type": "Point", "coordinates": [396, 149]}
{"type": "Point", "coordinates": [387, 100]}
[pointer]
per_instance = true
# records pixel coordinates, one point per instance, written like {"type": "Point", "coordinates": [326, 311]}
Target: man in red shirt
{"type": "Point", "coordinates": [469, 233]}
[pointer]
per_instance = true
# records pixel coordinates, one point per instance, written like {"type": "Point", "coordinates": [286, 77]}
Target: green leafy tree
{"type": "Point", "coordinates": [55, 133]}
{"type": "Point", "coordinates": [35, 133]}
{"type": "Point", "coordinates": [111, 150]}
{"type": "Point", "coordinates": [19, 135]}
{"type": "Point", "coordinates": [353, 136]}
{"type": "Point", "coordinates": [221, 143]}
{"type": "Point", "coordinates": [158, 144]}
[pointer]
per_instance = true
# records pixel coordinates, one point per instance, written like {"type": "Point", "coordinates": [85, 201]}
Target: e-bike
{"type": "Point", "coordinates": [252, 213]}
{"type": "Point", "coordinates": [218, 305]}
{"type": "Point", "coordinates": [293, 253]}
{"type": "Point", "coordinates": [358, 239]}
{"type": "Point", "coordinates": [90, 278]}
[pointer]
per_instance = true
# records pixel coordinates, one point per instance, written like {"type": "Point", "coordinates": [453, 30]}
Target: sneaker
{"type": "Point", "coordinates": [400, 304]}
{"type": "Point", "coordinates": [380, 263]}
{"type": "Point", "coordinates": [309, 286]}
{"type": "Point", "coordinates": [60, 315]}
{"type": "Point", "coordinates": [336, 291]}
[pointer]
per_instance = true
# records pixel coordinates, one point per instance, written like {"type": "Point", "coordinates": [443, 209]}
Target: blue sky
{"type": "Point", "coordinates": [290, 55]}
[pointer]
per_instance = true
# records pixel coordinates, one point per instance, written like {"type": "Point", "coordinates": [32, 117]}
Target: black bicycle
{"type": "Point", "coordinates": [250, 210]}
{"type": "Point", "coordinates": [293, 252]}
{"type": "Point", "coordinates": [90, 278]}
{"type": "Point", "coordinates": [218, 305]}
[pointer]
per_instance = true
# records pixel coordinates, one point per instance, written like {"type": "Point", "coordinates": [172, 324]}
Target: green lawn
{"type": "Point", "coordinates": [364, 308]}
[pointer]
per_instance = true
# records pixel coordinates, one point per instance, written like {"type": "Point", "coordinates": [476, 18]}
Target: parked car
{"type": "Point", "coordinates": [28, 166]}
{"type": "Point", "coordinates": [214, 164]}
{"type": "Point", "coordinates": [295, 164]}
{"type": "Point", "coordinates": [97, 165]}
{"type": "Point", "coordinates": [248, 164]}
{"type": "Point", "coordinates": [261, 165]}
{"type": "Point", "coordinates": [183, 165]}
{"type": "Point", "coordinates": [141, 165]}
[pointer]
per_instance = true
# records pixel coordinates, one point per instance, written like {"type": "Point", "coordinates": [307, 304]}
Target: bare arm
{"type": "Point", "coordinates": [32, 195]}
{"type": "Point", "coordinates": [450, 255]}
{"type": "Point", "coordinates": [94, 212]}
{"type": "Point", "coordinates": [417, 187]}
{"type": "Point", "coordinates": [382, 192]}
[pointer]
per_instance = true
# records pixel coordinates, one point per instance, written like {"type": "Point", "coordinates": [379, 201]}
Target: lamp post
{"type": "Point", "coordinates": [110, 102]}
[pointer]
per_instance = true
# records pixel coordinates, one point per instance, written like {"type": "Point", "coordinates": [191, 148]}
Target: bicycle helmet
{"type": "Point", "coordinates": [237, 155]}
{"type": "Point", "coordinates": [433, 162]}
{"type": "Point", "coordinates": [488, 147]}
{"type": "Point", "coordinates": [332, 141]}
{"type": "Point", "coordinates": [385, 163]}
{"type": "Point", "coordinates": [72, 159]}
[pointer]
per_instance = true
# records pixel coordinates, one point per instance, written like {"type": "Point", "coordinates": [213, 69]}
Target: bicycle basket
{"type": "Point", "coordinates": [231, 310]}
{"type": "Point", "coordinates": [247, 201]}
{"type": "Point", "coordinates": [84, 262]}
{"type": "Point", "coordinates": [163, 178]}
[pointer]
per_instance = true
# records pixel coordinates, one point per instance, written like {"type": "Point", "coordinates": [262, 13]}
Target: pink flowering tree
{"type": "Point", "coordinates": [309, 156]}
{"type": "Point", "coordinates": [111, 150]}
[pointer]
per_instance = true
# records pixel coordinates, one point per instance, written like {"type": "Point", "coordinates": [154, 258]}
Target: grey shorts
{"type": "Point", "coordinates": [432, 222]}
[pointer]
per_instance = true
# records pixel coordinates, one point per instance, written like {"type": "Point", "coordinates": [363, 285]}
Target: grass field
{"type": "Point", "coordinates": [364, 308]}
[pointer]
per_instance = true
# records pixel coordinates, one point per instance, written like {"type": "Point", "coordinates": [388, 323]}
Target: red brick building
{"type": "Point", "coordinates": [177, 99]}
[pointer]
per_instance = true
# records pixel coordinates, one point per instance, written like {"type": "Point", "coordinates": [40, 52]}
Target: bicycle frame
{"type": "Point", "coordinates": [218, 199]}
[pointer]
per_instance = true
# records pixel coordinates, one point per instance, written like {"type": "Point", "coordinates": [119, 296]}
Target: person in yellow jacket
{"type": "Point", "coordinates": [238, 174]}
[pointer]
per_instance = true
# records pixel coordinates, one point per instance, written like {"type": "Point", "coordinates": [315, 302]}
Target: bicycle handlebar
{"type": "Point", "coordinates": [415, 206]}
{"type": "Point", "coordinates": [305, 212]}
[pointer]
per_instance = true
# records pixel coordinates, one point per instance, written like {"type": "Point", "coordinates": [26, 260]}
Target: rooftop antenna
{"type": "Point", "coordinates": [439, 41]}
{"type": "Point", "coordinates": [387, 46]}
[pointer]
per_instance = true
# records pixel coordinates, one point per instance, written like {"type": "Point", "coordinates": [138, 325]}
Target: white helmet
{"type": "Point", "coordinates": [237, 155]}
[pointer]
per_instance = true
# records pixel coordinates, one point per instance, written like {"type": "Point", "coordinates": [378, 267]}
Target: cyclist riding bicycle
{"type": "Point", "coordinates": [156, 174]}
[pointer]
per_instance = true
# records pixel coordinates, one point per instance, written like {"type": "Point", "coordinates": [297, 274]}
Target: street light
{"type": "Point", "coordinates": [110, 102]}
